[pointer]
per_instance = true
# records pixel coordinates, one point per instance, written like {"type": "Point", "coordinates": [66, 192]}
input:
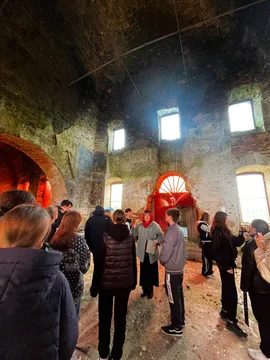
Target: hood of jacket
{"type": "Point", "coordinates": [99, 211]}
{"type": "Point", "coordinates": [119, 232]}
{"type": "Point", "coordinates": [27, 276]}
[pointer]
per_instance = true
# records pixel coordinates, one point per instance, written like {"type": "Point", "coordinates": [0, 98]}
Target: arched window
{"type": "Point", "coordinates": [173, 184]}
{"type": "Point", "coordinates": [252, 197]}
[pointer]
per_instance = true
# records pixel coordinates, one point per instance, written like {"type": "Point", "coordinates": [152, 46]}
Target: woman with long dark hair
{"type": "Point", "coordinates": [149, 234]}
{"type": "Point", "coordinates": [204, 229]}
{"type": "Point", "coordinates": [76, 255]}
{"type": "Point", "coordinates": [258, 289]}
{"type": "Point", "coordinates": [224, 250]}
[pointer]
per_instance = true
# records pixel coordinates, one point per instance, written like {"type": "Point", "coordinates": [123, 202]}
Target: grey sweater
{"type": "Point", "coordinates": [173, 253]}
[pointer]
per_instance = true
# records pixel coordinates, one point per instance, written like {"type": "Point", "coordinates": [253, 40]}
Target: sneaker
{"type": "Point", "coordinates": [150, 294]}
{"type": "Point", "coordinates": [169, 330]}
{"type": "Point", "coordinates": [257, 354]}
{"type": "Point", "coordinates": [143, 294]}
{"type": "Point", "coordinates": [223, 314]}
{"type": "Point", "coordinates": [232, 326]}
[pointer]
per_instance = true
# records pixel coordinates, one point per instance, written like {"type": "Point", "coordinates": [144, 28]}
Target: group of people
{"type": "Point", "coordinates": [115, 269]}
{"type": "Point", "coordinates": [219, 244]}
{"type": "Point", "coordinates": [43, 259]}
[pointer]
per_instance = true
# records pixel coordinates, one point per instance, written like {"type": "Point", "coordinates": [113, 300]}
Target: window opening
{"type": "Point", "coordinates": [170, 127]}
{"type": "Point", "coordinates": [116, 196]}
{"type": "Point", "coordinates": [173, 184]}
{"type": "Point", "coordinates": [119, 139]}
{"type": "Point", "coordinates": [241, 116]}
{"type": "Point", "coordinates": [252, 197]}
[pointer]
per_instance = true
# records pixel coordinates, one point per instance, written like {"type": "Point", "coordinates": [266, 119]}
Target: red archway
{"type": "Point", "coordinates": [53, 187]}
{"type": "Point", "coordinates": [171, 191]}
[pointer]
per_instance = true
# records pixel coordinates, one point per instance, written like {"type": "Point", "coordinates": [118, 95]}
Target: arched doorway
{"type": "Point", "coordinates": [47, 183]}
{"type": "Point", "coordinates": [172, 191]}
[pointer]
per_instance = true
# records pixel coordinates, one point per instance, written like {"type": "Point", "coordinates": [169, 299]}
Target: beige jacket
{"type": "Point", "coordinates": [262, 257]}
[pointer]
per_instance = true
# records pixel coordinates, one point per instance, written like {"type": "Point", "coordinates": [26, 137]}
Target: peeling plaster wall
{"type": "Point", "coordinates": [207, 155]}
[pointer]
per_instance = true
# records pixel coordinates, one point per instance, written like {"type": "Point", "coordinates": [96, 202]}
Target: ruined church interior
{"type": "Point", "coordinates": [143, 104]}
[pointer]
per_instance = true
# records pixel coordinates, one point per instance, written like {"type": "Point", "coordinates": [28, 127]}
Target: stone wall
{"type": "Point", "coordinates": [208, 156]}
{"type": "Point", "coordinates": [54, 124]}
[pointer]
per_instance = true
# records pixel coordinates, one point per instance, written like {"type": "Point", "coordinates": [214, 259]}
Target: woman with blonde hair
{"type": "Point", "coordinates": [38, 318]}
{"type": "Point", "coordinates": [76, 255]}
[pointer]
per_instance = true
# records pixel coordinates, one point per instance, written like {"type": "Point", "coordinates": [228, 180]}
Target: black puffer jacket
{"type": "Point", "coordinates": [117, 267]}
{"type": "Point", "coordinates": [37, 314]}
{"type": "Point", "coordinates": [251, 279]}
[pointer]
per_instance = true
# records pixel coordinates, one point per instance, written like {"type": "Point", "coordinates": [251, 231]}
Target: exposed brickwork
{"type": "Point", "coordinates": [15, 168]}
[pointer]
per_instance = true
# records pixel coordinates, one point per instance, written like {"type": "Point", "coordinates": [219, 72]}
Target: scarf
{"type": "Point", "coordinates": [147, 224]}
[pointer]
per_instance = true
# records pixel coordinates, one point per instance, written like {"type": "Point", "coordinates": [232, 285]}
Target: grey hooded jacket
{"type": "Point", "coordinates": [173, 253]}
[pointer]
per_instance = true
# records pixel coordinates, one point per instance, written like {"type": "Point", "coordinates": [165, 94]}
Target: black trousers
{"type": "Point", "coordinates": [174, 291]}
{"type": "Point", "coordinates": [105, 307]}
{"type": "Point", "coordinates": [228, 294]}
{"type": "Point", "coordinates": [207, 259]}
{"type": "Point", "coordinates": [261, 308]}
{"type": "Point", "coordinates": [148, 274]}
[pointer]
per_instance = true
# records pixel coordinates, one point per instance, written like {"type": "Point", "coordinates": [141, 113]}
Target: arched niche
{"type": "Point", "coordinates": [172, 191]}
{"type": "Point", "coordinates": [53, 175]}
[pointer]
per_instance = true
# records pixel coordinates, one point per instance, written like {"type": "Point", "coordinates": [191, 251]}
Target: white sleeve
{"type": "Point", "coordinates": [206, 228]}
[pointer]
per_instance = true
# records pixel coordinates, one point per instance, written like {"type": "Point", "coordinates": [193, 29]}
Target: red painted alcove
{"type": "Point", "coordinates": [170, 192]}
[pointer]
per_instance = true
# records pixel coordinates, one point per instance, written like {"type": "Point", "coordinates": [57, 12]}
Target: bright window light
{"type": "Point", "coordinates": [116, 196]}
{"type": "Point", "coordinates": [170, 127]}
{"type": "Point", "coordinates": [252, 197]}
{"type": "Point", "coordinates": [241, 116]}
{"type": "Point", "coordinates": [118, 139]}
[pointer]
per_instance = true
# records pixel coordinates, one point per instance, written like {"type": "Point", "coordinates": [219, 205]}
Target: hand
{"type": "Point", "coordinates": [93, 292]}
{"type": "Point", "coordinates": [247, 236]}
{"type": "Point", "coordinates": [155, 242]}
{"type": "Point", "coordinates": [258, 240]}
{"type": "Point", "coordinates": [230, 271]}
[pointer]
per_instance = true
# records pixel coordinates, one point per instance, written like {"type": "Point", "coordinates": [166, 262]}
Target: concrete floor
{"type": "Point", "coordinates": [205, 335]}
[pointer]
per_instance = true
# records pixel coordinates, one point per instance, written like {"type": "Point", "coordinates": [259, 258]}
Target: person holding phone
{"type": "Point", "coordinates": [225, 252]}
{"type": "Point", "coordinates": [257, 287]}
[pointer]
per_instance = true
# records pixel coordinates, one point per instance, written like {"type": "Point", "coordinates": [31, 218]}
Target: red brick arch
{"type": "Point", "coordinates": [47, 165]}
